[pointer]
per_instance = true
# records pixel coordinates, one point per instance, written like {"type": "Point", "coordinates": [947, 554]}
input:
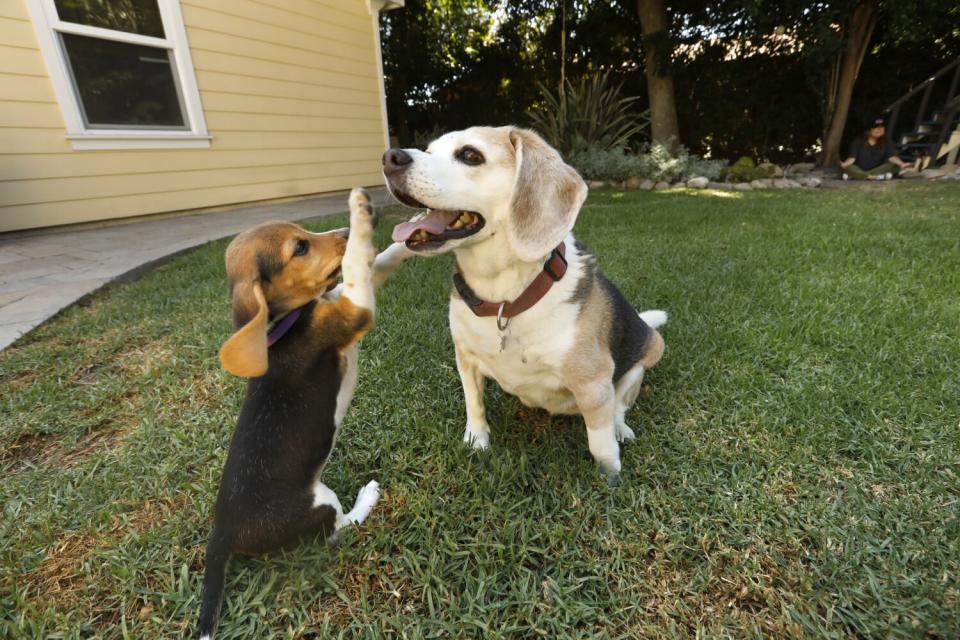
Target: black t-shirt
{"type": "Point", "coordinates": [867, 156]}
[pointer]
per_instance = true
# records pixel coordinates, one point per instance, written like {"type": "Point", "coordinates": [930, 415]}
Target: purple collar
{"type": "Point", "coordinates": [283, 326]}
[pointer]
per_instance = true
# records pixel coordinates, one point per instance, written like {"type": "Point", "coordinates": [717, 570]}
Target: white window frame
{"type": "Point", "coordinates": [48, 25]}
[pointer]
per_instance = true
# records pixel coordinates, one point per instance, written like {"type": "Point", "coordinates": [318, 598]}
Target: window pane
{"type": "Point", "coordinates": [124, 84]}
{"type": "Point", "coordinates": [132, 16]}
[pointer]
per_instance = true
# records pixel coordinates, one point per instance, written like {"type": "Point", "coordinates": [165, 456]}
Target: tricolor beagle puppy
{"type": "Point", "coordinates": [296, 335]}
{"type": "Point", "coordinates": [530, 308]}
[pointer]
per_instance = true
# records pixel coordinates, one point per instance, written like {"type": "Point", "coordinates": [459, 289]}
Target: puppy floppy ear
{"type": "Point", "coordinates": [245, 352]}
{"type": "Point", "coordinates": [547, 194]}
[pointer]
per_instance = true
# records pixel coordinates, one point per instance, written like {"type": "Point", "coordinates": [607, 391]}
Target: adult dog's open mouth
{"type": "Point", "coordinates": [432, 228]}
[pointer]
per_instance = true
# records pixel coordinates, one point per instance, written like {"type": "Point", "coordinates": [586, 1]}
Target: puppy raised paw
{"type": "Point", "coordinates": [363, 216]}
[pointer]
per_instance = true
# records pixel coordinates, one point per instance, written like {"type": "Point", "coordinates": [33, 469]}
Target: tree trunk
{"type": "Point", "coordinates": [657, 53]}
{"type": "Point", "coordinates": [859, 29]}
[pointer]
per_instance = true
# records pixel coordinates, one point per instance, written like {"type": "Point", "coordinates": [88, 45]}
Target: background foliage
{"type": "Point", "coordinates": [739, 91]}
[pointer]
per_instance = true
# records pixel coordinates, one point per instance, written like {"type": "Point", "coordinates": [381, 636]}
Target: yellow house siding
{"type": "Point", "coordinates": [290, 93]}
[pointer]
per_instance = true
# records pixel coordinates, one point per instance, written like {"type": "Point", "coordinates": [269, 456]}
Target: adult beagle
{"type": "Point", "coordinates": [296, 335]}
{"type": "Point", "coordinates": [530, 308]}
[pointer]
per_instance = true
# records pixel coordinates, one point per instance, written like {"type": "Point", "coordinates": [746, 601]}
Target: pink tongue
{"type": "Point", "coordinates": [434, 222]}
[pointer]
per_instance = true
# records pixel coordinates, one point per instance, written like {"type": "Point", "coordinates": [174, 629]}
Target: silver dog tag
{"type": "Point", "coordinates": [502, 326]}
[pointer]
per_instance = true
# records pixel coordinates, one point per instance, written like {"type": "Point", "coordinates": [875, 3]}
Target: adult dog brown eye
{"type": "Point", "coordinates": [470, 156]}
{"type": "Point", "coordinates": [301, 249]}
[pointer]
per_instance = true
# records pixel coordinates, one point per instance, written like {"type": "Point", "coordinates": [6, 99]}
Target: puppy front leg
{"type": "Point", "coordinates": [359, 255]}
{"type": "Point", "coordinates": [477, 433]}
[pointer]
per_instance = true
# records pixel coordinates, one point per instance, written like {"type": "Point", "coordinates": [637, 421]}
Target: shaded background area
{"type": "Point", "coordinates": [750, 77]}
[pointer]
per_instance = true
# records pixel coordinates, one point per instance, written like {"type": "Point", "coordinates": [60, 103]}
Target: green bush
{"type": "Point", "coordinates": [744, 170]}
{"type": "Point", "coordinates": [614, 165]}
{"type": "Point", "coordinates": [658, 164]}
{"type": "Point", "coordinates": [655, 163]}
{"type": "Point", "coordinates": [591, 113]}
{"type": "Point", "coordinates": [696, 166]}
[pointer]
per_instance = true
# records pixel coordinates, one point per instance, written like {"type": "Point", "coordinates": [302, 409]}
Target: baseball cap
{"type": "Point", "coordinates": [879, 121]}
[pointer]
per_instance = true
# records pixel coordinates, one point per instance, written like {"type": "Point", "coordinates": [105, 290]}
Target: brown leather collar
{"type": "Point", "coordinates": [553, 270]}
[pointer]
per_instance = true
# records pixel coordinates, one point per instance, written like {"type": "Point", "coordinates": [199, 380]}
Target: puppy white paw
{"type": "Point", "coordinates": [477, 438]}
{"type": "Point", "coordinates": [625, 433]}
{"type": "Point", "coordinates": [367, 498]}
{"type": "Point", "coordinates": [363, 217]}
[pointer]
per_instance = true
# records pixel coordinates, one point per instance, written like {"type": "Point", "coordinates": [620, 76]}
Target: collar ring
{"type": "Point", "coordinates": [502, 326]}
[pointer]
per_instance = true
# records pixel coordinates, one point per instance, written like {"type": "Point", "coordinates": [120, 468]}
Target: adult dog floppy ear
{"type": "Point", "coordinates": [547, 194]}
{"type": "Point", "coordinates": [245, 352]}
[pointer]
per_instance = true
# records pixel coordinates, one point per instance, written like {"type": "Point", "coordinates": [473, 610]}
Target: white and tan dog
{"type": "Point", "coordinates": [530, 308]}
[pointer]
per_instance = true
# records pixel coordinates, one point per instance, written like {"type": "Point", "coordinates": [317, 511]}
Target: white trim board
{"type": "Point", "coordinates": [375, 7]}
{"type": "Point", "coordinates": [46, 23]}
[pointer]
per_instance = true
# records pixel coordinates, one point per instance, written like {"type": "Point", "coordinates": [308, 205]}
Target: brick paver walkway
{"type": "Point", "coordinates": [43, 271]}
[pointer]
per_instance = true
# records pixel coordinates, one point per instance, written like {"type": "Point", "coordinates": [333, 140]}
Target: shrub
{"type": "Point", "coordinates": [696, 166]}
{"type": "Point", "coordinates": [659, 165]}
{"type": "Point", "coordinates": [744, 170]}
{"type": "Point", "coordinates": [591, 113]}
{"type": "Point", "coordinates": [595, 163]}
{"type": "Point", "coordinates": [656, 164]}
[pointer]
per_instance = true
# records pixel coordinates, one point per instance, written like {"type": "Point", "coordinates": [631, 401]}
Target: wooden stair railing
{"type": "Point", "coordinates": [932, 131]}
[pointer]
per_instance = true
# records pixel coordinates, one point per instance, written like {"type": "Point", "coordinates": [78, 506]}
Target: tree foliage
{"type": "Point", "coordinates": [751, 76]}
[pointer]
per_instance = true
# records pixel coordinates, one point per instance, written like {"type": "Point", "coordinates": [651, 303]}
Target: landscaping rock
{"type": "Point", "coordinates": [910, 174]}
{"type": "Point", "coordinates": [646, 185]}
{"type": "Point", "coordinates": [770, 169]}
{"type": "Point", "coordinates": [722, 186]}
{"type": "Point", "coordinates": [743, 186]}
{"type": "Point", "coordinates": [792, 184]}
{"type": "Point", "coordinates": [660, 186]}
{"type": "Point", "coordinates": [763, 183]}
{"type": "Point", "coordinates": [698, 183]}
{"type": "Point", "coordinates": [632, 183]}
{"type": "Point", "coordinates": [802, 167]}
{"type": "Point", "coordinates": [596, 184]}
{"type": "Point", "coordinates": [813, 183]}
{"type": "Point", "coordinates": [933, 174]}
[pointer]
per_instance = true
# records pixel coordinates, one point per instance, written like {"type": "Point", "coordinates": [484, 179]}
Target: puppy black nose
{"type": "Point", "coordinates": [395, 160]}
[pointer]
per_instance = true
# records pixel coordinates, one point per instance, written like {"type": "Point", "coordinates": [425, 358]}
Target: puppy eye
{"type": "Point", "coordinates": [470, 156]}
{"type": "Point", "coordinates": [301, 249]}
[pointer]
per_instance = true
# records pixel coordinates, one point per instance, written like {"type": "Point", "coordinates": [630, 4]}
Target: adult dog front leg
{"type": "Point", "coordinates": [388, 260]}
{"type": "Point", "coordinates": [598, 403]}
{"type": "Point", "coordinates": [477, 433]}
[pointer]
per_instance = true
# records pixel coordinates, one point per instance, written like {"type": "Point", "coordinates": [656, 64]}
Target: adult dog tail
{"type": "Point", "coordinates": [654, 317]}
{"type": "Point", "coordinates": [218, 554]}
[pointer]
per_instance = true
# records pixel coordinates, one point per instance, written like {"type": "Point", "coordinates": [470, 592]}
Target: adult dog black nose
{"type": "Point", "coordinates": [395, 160]}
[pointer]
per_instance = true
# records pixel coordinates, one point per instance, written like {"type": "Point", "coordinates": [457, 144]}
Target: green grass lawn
{"type": "Point", "coordinates": [795, 471]}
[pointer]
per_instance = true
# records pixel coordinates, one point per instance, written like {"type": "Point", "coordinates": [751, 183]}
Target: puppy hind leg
{"type": "Point", "coordinates": [367, 499]}
{"type": "Point", "coordinates": [324, 497]}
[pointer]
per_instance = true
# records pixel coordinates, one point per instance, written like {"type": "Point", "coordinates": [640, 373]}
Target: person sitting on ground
{"type": "Point", "coordinates": [872, 157]}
